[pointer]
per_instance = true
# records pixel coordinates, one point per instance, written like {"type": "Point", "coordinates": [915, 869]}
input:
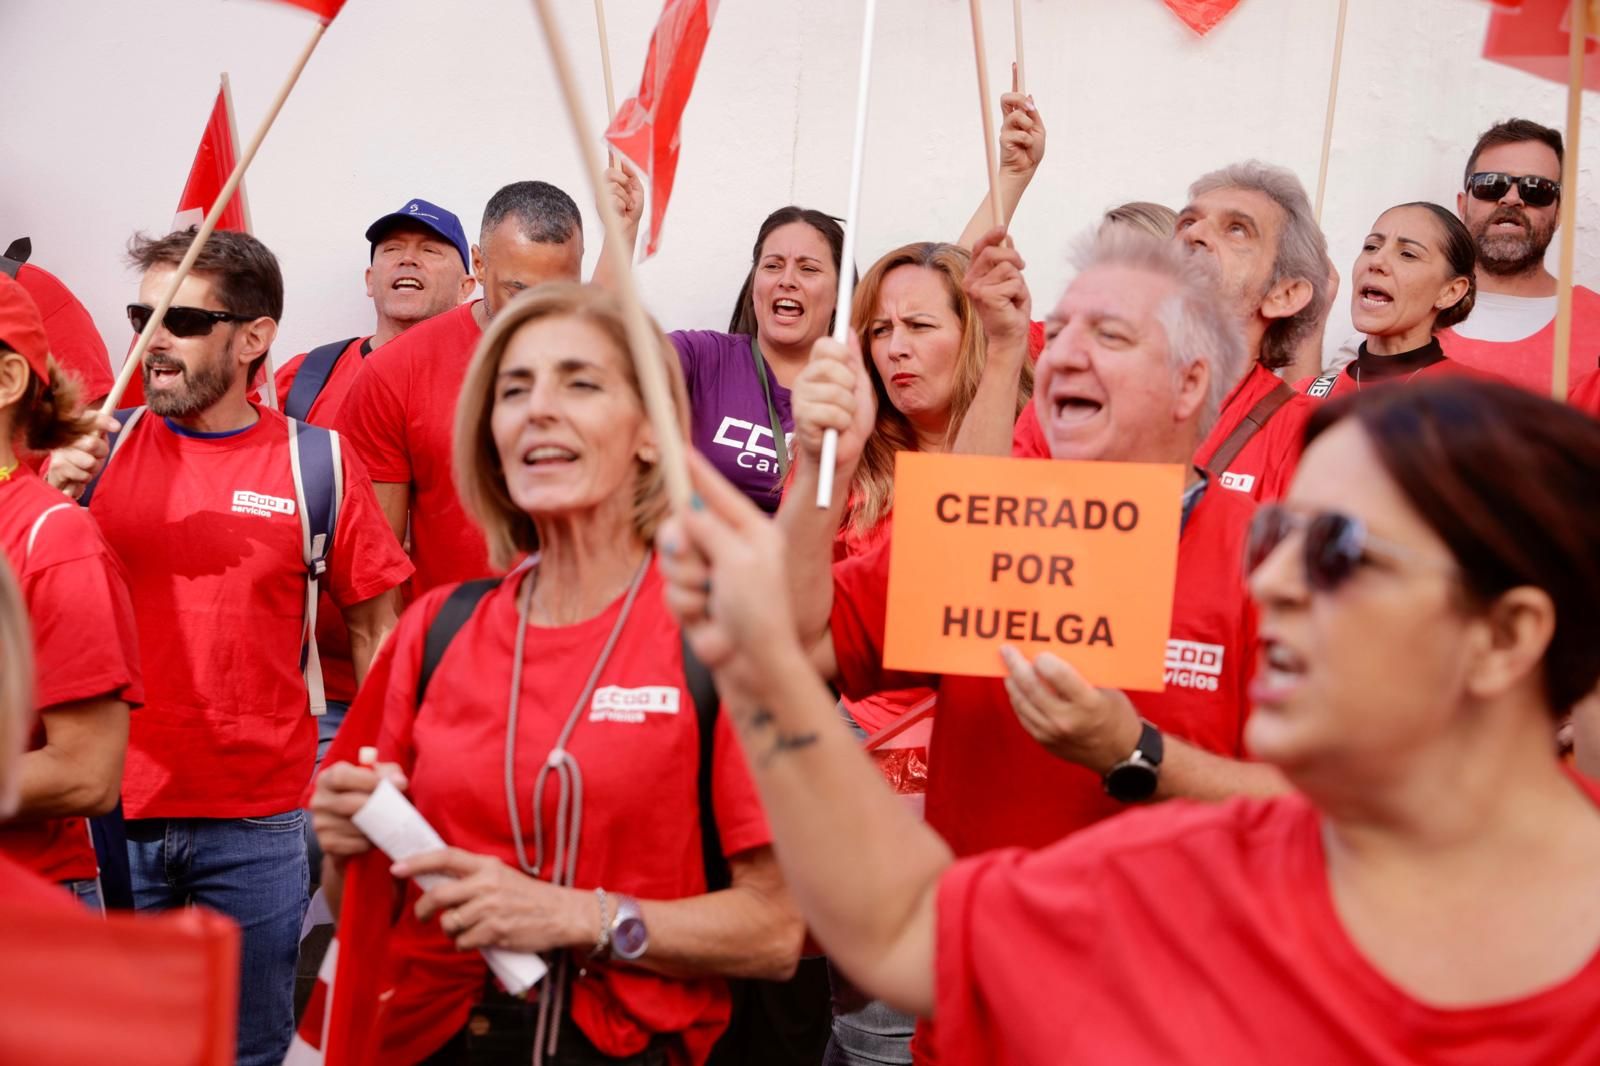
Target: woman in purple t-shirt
{"type": "Point", "coordinates": [739, 380]}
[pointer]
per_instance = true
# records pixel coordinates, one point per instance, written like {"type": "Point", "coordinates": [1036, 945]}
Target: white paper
{"type": "Point", "coordinates": [390, 821]}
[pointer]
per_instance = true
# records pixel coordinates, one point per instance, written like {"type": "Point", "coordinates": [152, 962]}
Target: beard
{"type": "Point", "coordinates": [196, 390]}
{"type": "Point", "coordinates": [1511, 254]}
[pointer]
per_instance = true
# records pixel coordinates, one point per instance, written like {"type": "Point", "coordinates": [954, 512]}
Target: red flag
{"type": "Point", "coordinates": [645, 130]}
{"type": "Point", "coordinates": [1534, 38]}
{"type": "Point", "coordinates": [1202, 15]}
{"type": "Point", "coordinates": [214, 160]}
{"type": "Point", "coordinates": [326, 9]}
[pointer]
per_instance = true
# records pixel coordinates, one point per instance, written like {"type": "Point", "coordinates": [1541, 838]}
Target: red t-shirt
{"type": "Point", "coordinates": [75, 343]}
{"type": "Point", "coordinates": [1266, 464]}
{"type": "Point", "coordinates": [1586, 395]}
{"type": "Point", "coordinates": [1194, 934]}
{"type": "Point", "coordinates": [1342, 382]}
{"type": "Point", "coordinates": [640, 817]}
{"type": "Point", "coordinates": [400, 416]}
{"type": "Point", "coordinates": [333, 639]}
{"type": "Point", "coordinates": [218, 582]}
{"type": "Point", "coordinates": [992, 785]}
{"type": "Point", "coordinates": [22, 888]}
{"type": "Point", "coordinates": [1527, 362]}
{"type": "Point", "coordinates": [84, 643]}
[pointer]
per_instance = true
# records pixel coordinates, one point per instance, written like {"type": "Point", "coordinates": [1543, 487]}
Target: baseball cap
{"type": "Point", "coordinates": [21, 329]}
{"type": "Point", "coordinates": [432, 216]}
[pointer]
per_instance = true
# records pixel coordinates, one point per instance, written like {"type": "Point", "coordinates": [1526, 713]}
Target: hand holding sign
{"type": "Point", "coordinates": [1093, 727]}
{"type": "Point", "coordinates": [834, 392]}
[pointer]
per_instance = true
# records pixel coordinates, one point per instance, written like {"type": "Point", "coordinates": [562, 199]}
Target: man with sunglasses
{"type": "Point", "coordinates": [201, 502]}
{"type": "Point", "coordinates": [1510, 201]}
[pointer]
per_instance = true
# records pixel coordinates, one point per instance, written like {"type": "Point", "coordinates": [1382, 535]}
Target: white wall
{"type": "Point", "coordinates": [450, 99]}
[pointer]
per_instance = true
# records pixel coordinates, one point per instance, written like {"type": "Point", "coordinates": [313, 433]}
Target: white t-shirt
{"type": "Point", "coordinates": [1500, 318]}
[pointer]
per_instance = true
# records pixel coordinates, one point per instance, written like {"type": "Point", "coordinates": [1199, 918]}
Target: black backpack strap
{"type": "Point", "coordinates": [127, 418]}
{"type": "Point", "coordinates": [703, 690]}
{"type": "Point", "coordinates": [16, 254]}
{"type": "Point", "coordinates": [313, 375]}
{"type": "Point", "coordinates": [453, 614]}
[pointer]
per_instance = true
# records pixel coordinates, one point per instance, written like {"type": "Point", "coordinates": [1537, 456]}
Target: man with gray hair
{"type": "Point", "coordinates": [1141, 352]}
{"type": "Point", "coordinates": [1254, 224]}
{"type": "Point", "coordinates": [401, 408]}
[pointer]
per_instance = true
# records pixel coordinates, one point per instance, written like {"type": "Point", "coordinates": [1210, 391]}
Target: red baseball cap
{"type": "Point", "coordinates": [21, 328]}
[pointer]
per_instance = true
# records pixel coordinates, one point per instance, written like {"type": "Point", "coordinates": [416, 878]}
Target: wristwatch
{"type": "Point", "coordinates": [1134, 779]}
{"type": "Point", "coordinates": [629, 937]}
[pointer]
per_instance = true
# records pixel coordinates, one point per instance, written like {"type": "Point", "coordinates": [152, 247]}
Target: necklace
{"type": "Point", "coordinates": [569, 810]}
{"type": "Point", "coordinates": [1409, 376]}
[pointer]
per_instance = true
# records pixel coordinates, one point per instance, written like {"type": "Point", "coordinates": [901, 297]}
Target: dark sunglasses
{"type": "Point", "coordinates": [1333, 547]}
{"type": "Point", "coordinates": [183, 321]}
{"type": "Point", "coordinates": [1491, 185]}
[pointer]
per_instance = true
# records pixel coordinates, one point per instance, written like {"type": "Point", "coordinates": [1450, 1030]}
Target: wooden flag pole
{"type": "Point", "coordinates": [270, 386]}
{"type": "Point", "coordinates": [989, 149]}
{"type": "Point", "coordinates": [1562, 349]}
{"type": "Point", "coordinates": [1016, 26]}
{"type": "Point", "coordinates": [642, 341]}
{"type": "Point", "coordinates": [847, 256]}
{"type": "Point", "coordinates": [135, 357]}
{"type": "Point", "coordinates": [1333, 103]}
{"type": "Point", "coordinates": [605, 58]}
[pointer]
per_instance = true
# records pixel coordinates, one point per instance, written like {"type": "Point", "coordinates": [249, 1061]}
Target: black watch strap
{"type": "Point", "coordinates": [1134, 779]}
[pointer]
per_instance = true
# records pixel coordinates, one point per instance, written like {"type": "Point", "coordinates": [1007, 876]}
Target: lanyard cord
{"type": "Point", "coordinates": [569, 809]}
{"type": "Point", "coordinates": [779, 443]}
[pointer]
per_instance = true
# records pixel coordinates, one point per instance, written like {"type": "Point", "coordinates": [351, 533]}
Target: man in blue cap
{"type": "Point", "coordinates": [421, 267]}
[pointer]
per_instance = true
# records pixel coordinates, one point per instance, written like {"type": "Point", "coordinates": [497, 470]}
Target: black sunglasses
{"type": "Point", "coordinates": [1334, 545]}
{"type": "Point", "coordinates": [183, 321]}
{"type": "Point", "coordinates": [1491, 185]}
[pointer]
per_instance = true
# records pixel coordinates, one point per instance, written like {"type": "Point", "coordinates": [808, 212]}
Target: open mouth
{"type": "Point", "coordinates": [1071, 409]}
{"type": "Point", "coordinates": [787, 310]}
{"type": "Point", "coordinates": [548, 455]}
{"type": "Point", "coordinates": [1374, 298]}
{"type": "Point", "coordinates": [406, 285]}
{"type": "Point", "coordinates": [164, 373]}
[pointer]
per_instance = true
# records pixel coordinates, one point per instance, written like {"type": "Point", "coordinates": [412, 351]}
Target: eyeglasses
{"type": "Point", "coordinates": [1333, 547]}
{"type": "Point", "coordinates": [183, 321]}
{"type": "Point", "coordinates": [1491, 185]}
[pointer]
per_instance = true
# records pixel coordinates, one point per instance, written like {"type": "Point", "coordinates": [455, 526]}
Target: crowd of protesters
{"type": "Point", "coordinates": [448, 565]}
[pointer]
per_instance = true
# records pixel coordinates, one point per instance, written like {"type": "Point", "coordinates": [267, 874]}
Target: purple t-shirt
{"type": "Point", "coordinates": [729, 422]}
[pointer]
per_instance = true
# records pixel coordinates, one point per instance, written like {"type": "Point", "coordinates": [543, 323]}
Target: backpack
{"type": "Point", "coordinates": [458, 607]}
{"type": "Point", "coordinates": [312, 377]}
{"type": "Point", "coordinates": [15, 255]}
{"type": "Point", "coordinates": [318, 491]}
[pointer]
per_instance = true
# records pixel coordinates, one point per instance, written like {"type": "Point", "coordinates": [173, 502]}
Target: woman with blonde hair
{"type": "Point", "coordinates": [559, 740]}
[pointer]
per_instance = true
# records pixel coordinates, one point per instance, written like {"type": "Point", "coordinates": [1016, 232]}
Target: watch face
{"type": "Point", "coordinates": [629, 938]}
{"type": "Point", "coordinates": [1132, 782]}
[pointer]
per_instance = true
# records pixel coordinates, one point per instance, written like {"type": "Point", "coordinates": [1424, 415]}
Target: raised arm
{"type": "Point", "coordinates": [864, 870]}
{"type": "Point", "coordinates": [1004, 308]}
{"type": "Point", "coordinates": [627, 198]}
{"type": "Point", "coordinates": [832, 392]}
{"type": "Point", "coordinates": [1021, 149]}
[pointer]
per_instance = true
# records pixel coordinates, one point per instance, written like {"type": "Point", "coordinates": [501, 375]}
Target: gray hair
{"type": "Point", "coordinates": [1302, 250]}
{"type": "Point", "coordinates": [1197, 322]}
{"type": "Point", "coordinates": [544, 213]}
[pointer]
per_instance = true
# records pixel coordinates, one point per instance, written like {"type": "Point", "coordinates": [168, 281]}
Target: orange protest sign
{"type": "Point", "coordinates": [1074, 558]}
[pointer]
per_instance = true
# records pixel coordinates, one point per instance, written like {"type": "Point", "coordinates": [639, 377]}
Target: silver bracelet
{"type": "Point", "coordinates": [602, 944]}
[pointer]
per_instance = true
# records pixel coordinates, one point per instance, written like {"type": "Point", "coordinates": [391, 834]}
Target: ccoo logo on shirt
{"type": "Point", "coordinates": [262, 506]}
{"type": "Point", "coordinates": [1190, 664]}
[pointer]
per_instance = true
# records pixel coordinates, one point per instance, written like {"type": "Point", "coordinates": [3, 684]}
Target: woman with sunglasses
{"type": "Point", "coordinates": [1414, 277]}
{"type": "Point", "coordinates": [558, 743]}
{"type": "Point", "coordinates": [86, 660]}
{"type": "Point", "coordinates": [1428, 596]}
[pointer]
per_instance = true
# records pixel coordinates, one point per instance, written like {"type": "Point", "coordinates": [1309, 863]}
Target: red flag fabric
{"type": "Point", "coordinates": [80, 990]}
{"type": "Point", "coordinates": [324, 8]}
{"type": "Point", "coordinates": [1534, 39]}
{"type": "Point", "coordinates": [214, 160]}
{"type": "Point", "coordinates": [1202, 15]}
{"type": "Point", "coordinates": [645, 130]}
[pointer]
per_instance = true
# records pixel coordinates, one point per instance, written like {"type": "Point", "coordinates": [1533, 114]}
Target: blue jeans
{"type": "Point", "coordinates": [254, 871]}
{"type": "Point", "coordinates": [87, 892]}
{"type": "Point", "coordinates": [327, 727]}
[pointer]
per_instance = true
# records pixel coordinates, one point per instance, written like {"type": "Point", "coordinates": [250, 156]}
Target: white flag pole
{"type": "Point", "coordinates": [135, 357]}
{"type": "Point", "coordinates": [1333, 102]}
{"type": "Point", "coordinates": [847, 258]}
{"type": "Point", "coordinates": [1561, 351]}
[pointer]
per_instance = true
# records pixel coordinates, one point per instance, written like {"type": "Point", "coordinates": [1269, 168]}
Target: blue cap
{"type": "Point", "coordinates": [432, 216]}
